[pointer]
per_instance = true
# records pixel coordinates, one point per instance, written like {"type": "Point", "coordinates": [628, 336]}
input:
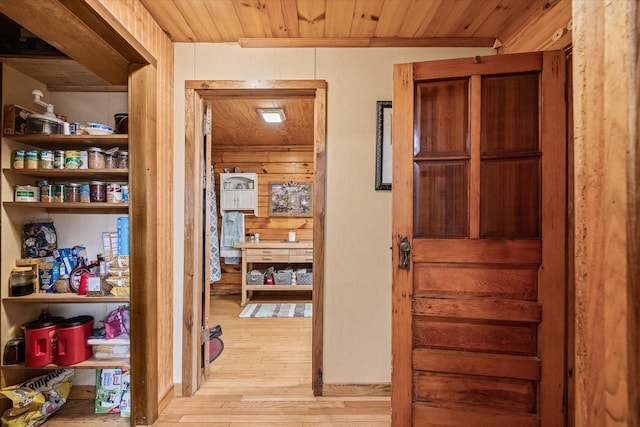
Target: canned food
{"type": "Point", "coordinates": [84, 160]}
{"type": "Point", "coordinates": [72, 159]}
{"type": "Point", "coordinates": [96, 158]}
{"type": "Point", "coordinates": [27, 193]}
{"type": "Point", "coordinates": [74, 128]}
{"type": "Point", "coordinates": [97, 191]}
{"type": "Point", "coordinates": [31, 159]}
{"type": "Point", "coordinates": [114, 193]}
{"type": "Point", "coordinates": [58, 159]}
{"type": "Point", "coordinates": [18, 159]}
{"type": "Point", "coordinates": [46, 159]}
{"type": "Point", "coordinates": [85, 193]}
{"type": "Point", "coordinates": [58, 193]}
{"type": "Point", "coordinates": [46, 193]}
{"type": "Point", "coordinates": [72, 193]}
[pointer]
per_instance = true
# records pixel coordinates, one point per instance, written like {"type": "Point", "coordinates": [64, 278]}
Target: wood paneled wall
{"type": "Point", "coordinates": [132, 17]}
{"type": "Point", "coordinates": [272, 164]}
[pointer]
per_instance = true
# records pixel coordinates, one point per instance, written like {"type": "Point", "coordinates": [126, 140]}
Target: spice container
{"type": "Point", "coordinates": [72, 193]}
{"type": "Point", "coordinates": [97, 191]}
{"type": "Point", "coordinates": [96, 158]}
{"type": "Point", "coordinates": [21, 281]}
{"type": "Point", "coordinates": [122, 162]}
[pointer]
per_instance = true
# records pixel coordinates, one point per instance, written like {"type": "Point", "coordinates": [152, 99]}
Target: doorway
{"type": "Point", "coordinates": [195, 316]}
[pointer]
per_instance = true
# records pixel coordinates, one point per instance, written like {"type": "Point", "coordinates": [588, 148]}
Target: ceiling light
{"type": "Point", "coordinates": [272, 115]}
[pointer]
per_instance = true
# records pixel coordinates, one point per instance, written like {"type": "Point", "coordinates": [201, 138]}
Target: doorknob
{"type": "Point", "coordinates": [405, 251]}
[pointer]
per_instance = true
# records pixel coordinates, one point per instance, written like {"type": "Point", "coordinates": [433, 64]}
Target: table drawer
{"type": "Point", "coordinates": [301, 258]}
{"type": "Point", "coordinates": [267, 252]}
{"type": "Point", "coordinates": [302, 252]}
{"type": "Point", "coordinates": [267, 258]}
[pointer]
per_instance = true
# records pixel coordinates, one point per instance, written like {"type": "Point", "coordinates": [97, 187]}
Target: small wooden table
{"type": "Point", "coordinates": [273, 252]}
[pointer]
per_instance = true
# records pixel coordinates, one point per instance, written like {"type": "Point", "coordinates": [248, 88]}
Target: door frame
{"type": "Point", "coordinates": [195, 92]}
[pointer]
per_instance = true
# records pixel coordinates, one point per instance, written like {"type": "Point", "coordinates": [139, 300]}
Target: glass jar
{"type": "Point", "coordinates": [109, 160]}
{"type": "Point", "coordinates": [96, 158]}
{"type": "Point", "coordinates": [97, 191]}
{"type": "Point", "coordinates": [21, 281]}
{"type": "Point", "coordinates": [72, 193]}
{"type": "Point", "coordinates": [122, 161]}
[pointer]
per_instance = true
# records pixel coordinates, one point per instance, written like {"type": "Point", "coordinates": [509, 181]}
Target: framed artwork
{"type": "Point", "coordinates": [290, 198]}
{"type": "Point", "coordinates": [383, 145]}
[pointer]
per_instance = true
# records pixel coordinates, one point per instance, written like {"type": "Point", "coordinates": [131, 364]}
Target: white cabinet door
{"type": "Point", "coordinates": [228, 200]}
{"type": "Point", "coordinates": [245, 199]}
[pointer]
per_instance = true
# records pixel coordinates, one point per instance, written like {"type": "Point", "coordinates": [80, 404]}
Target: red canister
{"type": "Point", "coordinates": [72, 340]}
{"type": "Point", "coordinates": [40, 342]}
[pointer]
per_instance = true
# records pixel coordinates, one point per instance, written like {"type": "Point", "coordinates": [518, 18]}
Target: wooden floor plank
{"type": "Point", "coordinates": [262, 378]}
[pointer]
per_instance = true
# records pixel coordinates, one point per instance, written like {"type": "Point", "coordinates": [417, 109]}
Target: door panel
{"type": "Point", "coordinates": [479, 313]}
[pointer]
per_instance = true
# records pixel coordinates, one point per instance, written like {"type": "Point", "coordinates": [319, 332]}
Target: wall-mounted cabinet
{"type": "Point", "coordinates": [239, 192]}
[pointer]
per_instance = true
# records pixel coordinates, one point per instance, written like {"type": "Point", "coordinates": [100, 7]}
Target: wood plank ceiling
{"type": "Point", "coordinates": [363, 23]}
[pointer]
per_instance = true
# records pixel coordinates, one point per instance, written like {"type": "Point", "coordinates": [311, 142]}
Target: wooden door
{"type": "Point", "coordinates": [479, 194]}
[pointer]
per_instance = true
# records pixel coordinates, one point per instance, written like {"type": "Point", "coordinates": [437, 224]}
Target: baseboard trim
{"type": "Point", "coordinates": [344, 390]}
{"type": "Point", "coordinates": [166, 399]}
{"type": "Point", "coordinates": [177, 390]}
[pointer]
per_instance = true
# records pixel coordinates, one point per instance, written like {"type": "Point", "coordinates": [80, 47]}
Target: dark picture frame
{"type": "Point", "coordinates": [383, 145]}
{"type": "Point", "coordinates": [290, 198]}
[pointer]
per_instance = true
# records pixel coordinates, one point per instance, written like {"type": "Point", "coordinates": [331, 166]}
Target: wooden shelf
{"type": "Point", "coordinates": [64, 298]}
{"type": "Point", "coordinates": [100, 207]}
{"type": "Point", "coordinates": [72, 174]}
{"type": "Point", "coordinates": [60, 142]}
{"type": "Point", "coordinates": [279, 287]}
{"type": "Point", "coordinates": [92, 363]}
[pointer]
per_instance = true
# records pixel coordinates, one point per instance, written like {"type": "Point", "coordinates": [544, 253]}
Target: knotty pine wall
{"type": "Point", "coordinates": [272, 164]}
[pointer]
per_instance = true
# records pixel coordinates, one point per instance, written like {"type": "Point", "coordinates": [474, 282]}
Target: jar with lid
{"type": "Point", "coordinates": [109, 160]}
{"type": "Point", "coordinates": [72, 193]}
{"type": "Point", "coordinates": [21, 281]}
{"type": "Point", "coordinates": [97, 191]}
{"type": "Point", "coordinates": [96, 158]}
{"type": "Point", "coordinates": [122, 162]}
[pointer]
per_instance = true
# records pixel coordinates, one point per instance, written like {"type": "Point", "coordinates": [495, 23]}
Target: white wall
{"type": "Point", "coordinates": [357, 328]}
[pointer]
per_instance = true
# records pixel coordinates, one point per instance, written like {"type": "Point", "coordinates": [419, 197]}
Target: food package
{"type": "Point", "coordinates": [108, 391]}
{"type": "Point", "coordinates": [34, 400]}
{"type": "Point", "coordinates": [39, 239]}
{"type": "Point", "coordinates": [117, 322]}
{"type": "Point", "coordinates": [15, 120]}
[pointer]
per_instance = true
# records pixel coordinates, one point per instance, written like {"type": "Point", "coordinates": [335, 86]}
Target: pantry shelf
{"type": "Point", "coordinates": [65, 298]}
{"type": "Point", "coordinates": [92, 363]}
{"type": "Point", "coordinates": [73, 207]}
{"type": "Point", "coordinates": [91, 174]}
{"type": "Point", "coordinates": [61, 142]}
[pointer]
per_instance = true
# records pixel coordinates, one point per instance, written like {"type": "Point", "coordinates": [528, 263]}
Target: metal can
{"type": "Point", "coordinates": [58, 159]}
{"type": "Point", "coordinates": [84, 159]}
{"type": "Point", "coordinates": [74, 128]}
{"type": "Point", "coordinates": [31, 159]}
{"type": "Point", "coordinates": [85, 193]}
{"type": "Point", "coordinates": [46, 193]}
{"type": "Point", "coordinates": [114, 193]}
{"type": "Point", "coordinates": [58, 193]}
{"type": "Point", "coordinates": [46, 159]}
{"type": "Point", "coordinates": [18, 159]}
{"type": "Point", "coordinates": [72, 159]}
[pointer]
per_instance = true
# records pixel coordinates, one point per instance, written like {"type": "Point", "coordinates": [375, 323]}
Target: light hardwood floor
{"type": "Point", "coordinates": [261, 379]}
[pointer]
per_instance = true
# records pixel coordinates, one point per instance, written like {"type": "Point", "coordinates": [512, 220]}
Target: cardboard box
{"type": "Point", "coordinates": [15, 120]}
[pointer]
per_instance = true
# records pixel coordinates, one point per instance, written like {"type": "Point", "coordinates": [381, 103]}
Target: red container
{"type": "Point", "coordinates": [72, 340]}
{"type": "Point", "coordinates": [40, 342]}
